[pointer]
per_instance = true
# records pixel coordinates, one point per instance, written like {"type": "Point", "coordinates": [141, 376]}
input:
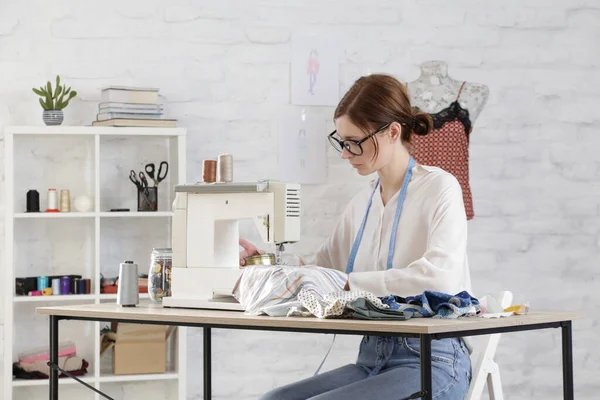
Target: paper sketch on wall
{"type": "Point", "coordinates": [315, 78]}
{"type": "Point", "coordinates": [313, 70]}
{"type": "Point", "coordinates": [302, 149]}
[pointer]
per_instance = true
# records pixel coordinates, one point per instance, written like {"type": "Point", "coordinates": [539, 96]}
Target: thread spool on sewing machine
{"type": "Point", "coordinates": [219, 170]}
{"type": "Point", "coordinates": [225, 168]}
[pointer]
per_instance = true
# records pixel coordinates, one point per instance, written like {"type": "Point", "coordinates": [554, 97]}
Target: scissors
{"type": "Point", "coordinates": [151, 169]}
{"type": "Point", "coordinates": [141, 186]}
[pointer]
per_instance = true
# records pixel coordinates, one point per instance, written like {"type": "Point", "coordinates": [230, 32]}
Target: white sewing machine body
{"type": "Point", "coordinates": [205, 236]}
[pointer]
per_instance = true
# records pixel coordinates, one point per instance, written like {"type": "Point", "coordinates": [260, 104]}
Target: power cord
{"type": "Point", "coordinates": [56, 367]}
{"type": "Point", "coordinates": [417, 395]}
{"type": "Point", "coordinates": [326, 355]}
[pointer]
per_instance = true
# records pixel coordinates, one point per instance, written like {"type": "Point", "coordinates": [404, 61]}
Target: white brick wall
{"type": "Point", "coordinates": [223, 66]}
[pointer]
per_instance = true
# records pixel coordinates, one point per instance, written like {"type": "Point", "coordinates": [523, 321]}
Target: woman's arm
{"type": "Point", "coordinates": [443, 266]}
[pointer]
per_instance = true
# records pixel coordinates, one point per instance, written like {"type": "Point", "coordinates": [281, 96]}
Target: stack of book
{"type": "Point", "coordinates": [131, 106]}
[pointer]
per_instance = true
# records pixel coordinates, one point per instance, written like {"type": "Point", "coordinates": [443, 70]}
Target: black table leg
{"type": "Point", "coordinates": [207, 365]}
{"type": "Point", "coordinates": [426, 385]}
{"type": "Point", "coordinates": [54, 357]}
{"type": "Point", "coordinates": [567, 355]}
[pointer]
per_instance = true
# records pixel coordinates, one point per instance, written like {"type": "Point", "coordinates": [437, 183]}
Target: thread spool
{"type": "Point", "coordinates": [35, 293]}
{"type": "Point", "coordinates": [52, 201]}
{"type": "Point", "coordinates": [33, 201]}
{"type": "Point", "coordinates": [225, 163]}
{"type": "Point", "coordinates": [65, 201]}
{"type": "Point", "coordinates": [75, 286]}
{"type": "Point", "coordinates": [81, 285]}
{"type": "Point", "coordinates": [47, 292]}
{"type": "Point", "coordinates": [209, 171]}
{"type": "Point", "coordinates": [42, 283]}
{"type": "Point", "coordinates": [74, 278]}
{"type": "Point", "coordinates": [88, 286]}
{"type": "Point", "coordinates": [56, 286]}
{"type": "Point", "coordinates": [65, 285]}
{"type": "Point", "coordinates": [128, 292]}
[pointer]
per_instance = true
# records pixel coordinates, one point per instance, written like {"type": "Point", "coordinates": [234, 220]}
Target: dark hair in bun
{"type": "Point", "coordinates": [378, 99]}
{"type": "Point", "coordinates": [422, 123]}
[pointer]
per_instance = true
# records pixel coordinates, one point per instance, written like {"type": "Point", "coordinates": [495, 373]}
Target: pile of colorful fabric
{"type": "Point", "coordinates": [365, 305]}
{"type": "Point", "coordinates": [34, 365]}
{"type": "Point", "coordinates": [287, 291]}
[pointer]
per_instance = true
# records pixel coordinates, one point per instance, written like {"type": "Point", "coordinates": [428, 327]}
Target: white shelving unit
{"type": "Point", "coordinates": [96, 141]}
{"type": "Point", "coordinates": [74, 214]}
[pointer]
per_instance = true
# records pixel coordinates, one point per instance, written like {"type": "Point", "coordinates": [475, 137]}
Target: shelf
{"type": "Point", "coordinates": [102, 379]}
{"type": "Point", "coordinates": [135, 214]}
{"type": "Point", "coordinates": [102, 214]}
{"type": "Point", "coordinates": [106, 378]}
{"type": "Point", "coordinates": [55, 215]}
{"type": "Point", "coordinates": [113, 296]}
{"type": "Point", "coordinates": [101, 239]}
{"type": "Point", "coordinates": [94, 130]}
{"type": "Point", "coordinates": [68, 297]}
{"type": "Point", "coordinates": [45, 299]}
{"type": "Point", "coordinates": [44, 382]}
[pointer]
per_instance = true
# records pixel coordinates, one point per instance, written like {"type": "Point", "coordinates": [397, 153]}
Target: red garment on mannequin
{"type": "Point", "coordinates": [447, 146]}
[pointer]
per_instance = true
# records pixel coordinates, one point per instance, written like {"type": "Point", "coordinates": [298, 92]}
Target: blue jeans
{"type": "Point", "coordinates": [387, 369]}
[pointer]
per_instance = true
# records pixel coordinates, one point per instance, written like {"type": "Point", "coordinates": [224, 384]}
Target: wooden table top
{"type": "Point", "coordinates": [147, 311]}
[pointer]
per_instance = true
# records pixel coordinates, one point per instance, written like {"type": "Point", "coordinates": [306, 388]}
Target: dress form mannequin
{"type": "Point", "coordinates": [435, 89]}
{"type": "Point", "coordinates": [454, 106]}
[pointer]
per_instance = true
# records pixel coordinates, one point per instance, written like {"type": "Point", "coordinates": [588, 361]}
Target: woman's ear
{"type": "Point", "coordinates": [395, 131]}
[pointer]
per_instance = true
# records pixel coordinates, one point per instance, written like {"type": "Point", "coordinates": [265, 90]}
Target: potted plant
{"type": "Point", "coordinates": [54, 101]}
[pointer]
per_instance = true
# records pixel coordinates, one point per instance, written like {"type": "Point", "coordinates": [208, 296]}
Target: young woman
{"type": "Point", "coordinates": [406, 233]}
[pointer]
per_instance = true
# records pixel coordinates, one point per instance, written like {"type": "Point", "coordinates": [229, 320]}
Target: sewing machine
{"type": "Point", "coordinates": [205, 236]}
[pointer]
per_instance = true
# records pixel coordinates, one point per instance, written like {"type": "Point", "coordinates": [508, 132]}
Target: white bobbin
{"type": "Point", "coordinates": [225, 168]}
{"type": "Point", "coordinates": [52, 200]}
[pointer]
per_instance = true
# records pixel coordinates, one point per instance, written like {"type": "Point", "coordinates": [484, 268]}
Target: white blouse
{"type": "Point", "coordinates": [431, 241]}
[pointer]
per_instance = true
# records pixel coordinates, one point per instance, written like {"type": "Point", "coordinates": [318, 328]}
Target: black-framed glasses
{"type": "Point", "coordinates": [353, 146]}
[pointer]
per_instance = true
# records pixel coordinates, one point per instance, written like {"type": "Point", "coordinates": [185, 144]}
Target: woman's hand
{"type": "Point", "coordinates": [249, 250]}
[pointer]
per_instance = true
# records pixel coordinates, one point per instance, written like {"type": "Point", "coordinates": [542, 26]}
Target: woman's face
{"type": "Point", "coordinates": [367, 163]}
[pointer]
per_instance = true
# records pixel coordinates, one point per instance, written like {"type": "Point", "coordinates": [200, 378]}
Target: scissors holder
{"type": "Point", "coordinates": [148, 201]}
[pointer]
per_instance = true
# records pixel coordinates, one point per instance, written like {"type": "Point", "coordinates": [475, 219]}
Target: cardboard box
{"type": "Point", "coordinates": [140, 349]}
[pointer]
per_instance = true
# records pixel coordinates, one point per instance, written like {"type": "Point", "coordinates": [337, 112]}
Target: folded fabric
{"type": "Point", "coordinates": [66, 348]}
{"type": "Point", "coordinates": [40, 370]}
{"type": "Point", "coordinates": [333, 304]}
{"type": "Point", "coordinates": [67, 363]}
{"type": "Point", "coordinates": [435, 304]}
{"type": "Point", "coordinates": [363, 308]}
{"type": "Point", "coordinates": [274, 289]}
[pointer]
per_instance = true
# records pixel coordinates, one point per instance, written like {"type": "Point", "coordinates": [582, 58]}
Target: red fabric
{"type": "Point", "coordinates": [447, 148]}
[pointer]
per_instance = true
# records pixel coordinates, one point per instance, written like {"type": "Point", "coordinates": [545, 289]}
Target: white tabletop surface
{"type": "Point", "coordinates": [146, 311]}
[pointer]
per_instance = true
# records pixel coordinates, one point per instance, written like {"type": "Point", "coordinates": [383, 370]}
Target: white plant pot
{"type": "Point", "coordinates": [53, 117]}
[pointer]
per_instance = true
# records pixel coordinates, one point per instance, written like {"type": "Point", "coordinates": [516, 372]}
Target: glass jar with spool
{"type": "Point", "coordinates": [159, 276]}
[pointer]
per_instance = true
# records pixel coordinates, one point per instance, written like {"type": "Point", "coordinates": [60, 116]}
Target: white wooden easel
{"type": "Point", "coordinates": [486, 369]}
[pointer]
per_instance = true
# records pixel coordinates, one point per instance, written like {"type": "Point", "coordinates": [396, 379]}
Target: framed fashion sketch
{"type": "Point", "coordinates": [314, 71]}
